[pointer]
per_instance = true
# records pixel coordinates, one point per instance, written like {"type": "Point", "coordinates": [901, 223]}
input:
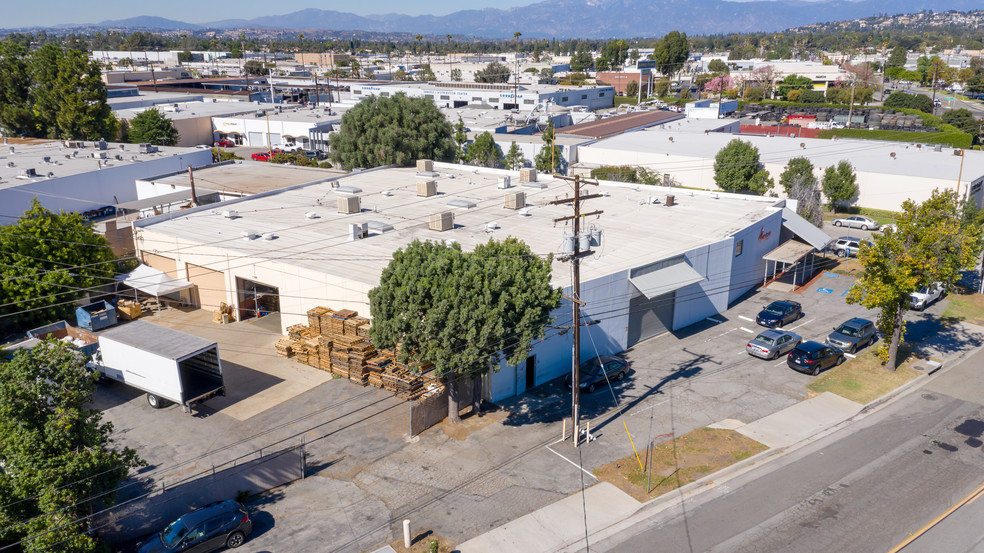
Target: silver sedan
{"type": "Point", "coordinates": [770, 344]}
{"type": "Point", "coordinates": [857, 221]}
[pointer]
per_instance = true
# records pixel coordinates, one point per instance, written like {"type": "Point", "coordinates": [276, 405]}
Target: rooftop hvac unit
{"type": "Point", "coordinates": [425, 165]}
{"type": "Point", "coordinates": [99, 155]}
{"type": "Point", "coordinates": [27, 173]}
{"type": "Point", "coordinates": [442, 221]}
{"type": "Point", "coordinates": [358, 231]}
{"type": "Point", "coordinates": [515, 200]}
{"type": "Point", "coordinates": [426, 189]}
{"type": "Point", "coordinates": [145, 148]}
{"type": "Point", "coordinates": [230, 214]}
{"type": "Point", "coordinates": [504, 182]}
{"type": "Point", "coordinates": [349, 204]}
{"type": "Point", "coordinates": [46, 159]}
{"type": "Point", "coordinates": [101, 144]}
{"type": "Point", "coordinates": [527, 174]}
{"type": "Point", "coordinates": [938, 148]}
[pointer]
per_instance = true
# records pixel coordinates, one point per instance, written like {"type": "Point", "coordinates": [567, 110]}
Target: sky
{"type": "Point", "coordinates": [48, 13]}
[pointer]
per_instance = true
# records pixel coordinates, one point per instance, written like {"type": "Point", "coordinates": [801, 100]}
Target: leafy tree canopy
{"type": "Point", "coordinates": [494, 72]}
{"type": "Point", "coordinates": [671, 52]}
{"type": "Point", "coordinates": [897, 57]}
{"type": "Point", "coordinates": [152, 127]}
{"type": "Point", "coordinates": [797, 169]}
{"type": "Point", "coordinates": [515, 160]}
{"type": "Point", "coordinates": [934, 240]}
{"type": "Point", "coordinates": [254, 67]}
{"type": "Point", "coordinates": [549, 158]}
{"type": "Point", "coordinates": [735, 165]}
{"type": "Point", "coordinates": [840, 184]}
{"type": "Point", "coordinates": [57, 453]}
{"type": "Point", "coordinates": [393, 130]}
{"type": "Point", "coordinates": [47, 261]}
{"type": "Point", "coordinates": [910, 101]}
{"type": "Point", "coordinates": [484, 152]}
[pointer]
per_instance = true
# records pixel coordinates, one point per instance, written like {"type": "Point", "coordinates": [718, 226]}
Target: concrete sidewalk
{"type": "Point", "coordinates": [558, 527]}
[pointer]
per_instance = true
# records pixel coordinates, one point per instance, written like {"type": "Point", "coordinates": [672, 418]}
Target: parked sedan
{"type": "Point", "coordinates": [852, 335]}
{"type": "Point", "coordinates": [599, 371]}
{"type": "Point", "coordinates": [214, 526]}
{"type": "Point", "coordinates": [770, 344]}
{"type": "Point", "coordinates": [778, 313]}
{"type": "Point", "coordinates": [223, 143]}
{"type": "Point", "coordinates": [813, 357]}
{"type": "Point", "coordinates": [857, 221]}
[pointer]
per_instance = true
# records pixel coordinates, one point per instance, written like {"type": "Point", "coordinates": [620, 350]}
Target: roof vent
{"type": "Point", "coordinates": [534, 184]}
{"type": "Point", "coordinates": [379, 226]}
{"type": "Point", "coordinates": [442, 221]}
{"type": "Point", "coordinates": [504, 182]}
{"type": "Point", "coordinates": [311, 215]}
{"type": "Point", "coordinates": [348, 190]}
{"type": "Point", "coordinates": [248, 235]}
{"type": "Point", "coordinates": [464, 204]}
{"type": "Point", "coordinates": [515, 200]}
{"type": "Point", "coordinates": [230, 214]}
{"type": "Point", "coordinates": [349, 205]}
{"type": "Point", "coordinates": [358, 231]}
{"type": "Point", "coordinates": [50, 174]}
{"type": "Point", "coordinates": [426, 189]}
{"type": "Point", "coordinates": [269, 236]}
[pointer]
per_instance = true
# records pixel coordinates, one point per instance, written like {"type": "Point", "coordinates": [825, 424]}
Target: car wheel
{"type": "Point", "coordinates": [841, 253]}
{"type": "Point", "coordinates": [620, 377]}
{"type": "Point", "coordinates": [816, 370]}
{"type": "Point", "coordinates": [235, 539]}
{"type": "Point", "coordinates": [837, 223]}
{"type": "Point", "coordinates": [591, 388]}
{"type": "Point", "coordinates": [864, 227]}
{"type": "Point", "coordinates": [840, 360]}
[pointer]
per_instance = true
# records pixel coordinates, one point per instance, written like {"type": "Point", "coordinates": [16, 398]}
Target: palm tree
{"type": "Point", "coordinates": [450, 59]}
{"type": "Point", "coordinates": [419, 58]}
{"type": "Point", "coordinates": [516, 36]}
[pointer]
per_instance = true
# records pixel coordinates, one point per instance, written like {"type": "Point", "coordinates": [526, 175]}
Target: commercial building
{"type": "Point", "coordinates": [279, 124]}
{"type": "Point", "coordinates": [193, 120]}
{"type": "Point", "coordinates": [661, 258]}
{"type": "Point", "coordinates": [888, 173]}
{"type": "Point", "coordinates": [496, 96]}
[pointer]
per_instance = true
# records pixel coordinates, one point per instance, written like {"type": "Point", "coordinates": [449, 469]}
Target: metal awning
{"type": "Point", "coordinates": [666, 280]}
{"type": "Point", "coordinates": [805, 229]}
{"type": "Point", "coordinates": [789, 252]}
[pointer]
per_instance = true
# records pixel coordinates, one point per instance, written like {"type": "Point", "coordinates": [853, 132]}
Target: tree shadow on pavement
{"type": "Point", "coordinates": [933, 334]}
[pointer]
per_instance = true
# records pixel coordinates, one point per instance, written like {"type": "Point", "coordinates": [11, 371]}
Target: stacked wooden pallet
{"type": "Point", "coordinates": [284, 348]}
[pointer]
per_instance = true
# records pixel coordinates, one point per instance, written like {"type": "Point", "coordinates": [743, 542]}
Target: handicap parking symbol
{"type": "Point", "coordinates": [825, 290]}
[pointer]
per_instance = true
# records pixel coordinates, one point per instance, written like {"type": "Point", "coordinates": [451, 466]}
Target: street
{"type": "Point", "coordinates": [863, 488]}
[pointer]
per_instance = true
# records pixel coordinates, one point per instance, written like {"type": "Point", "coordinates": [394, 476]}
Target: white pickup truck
{"type": "Point", "coordinates": [925, 296]}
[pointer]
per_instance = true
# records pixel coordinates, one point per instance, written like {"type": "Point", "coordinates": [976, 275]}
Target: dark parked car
{"type": "Point", "coordinates": [813, 357]}
{"type": "Point", "coordinates": [778, 313]}
{"type": "Point", "coordinates": [770, 344]}
{"type": "Point", "coordinates": [600, 370]}
{"type": "Point", "coordinates": [852, 335]}
{"type": "Point", "coordinates": [214, 526]}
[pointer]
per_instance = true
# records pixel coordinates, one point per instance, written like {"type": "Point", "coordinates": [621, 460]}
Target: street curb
{"type": "Point", "coordinates": [709, 482]}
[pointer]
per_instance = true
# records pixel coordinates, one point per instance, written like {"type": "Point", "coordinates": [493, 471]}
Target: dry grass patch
{"type": "Point", "coordinates": [965, 305]}
{"type": "Point", "coordinates": [421, 543]}
{"type": "Point", "coordinates": [848, 266]}
{"type": "Point", "coordinates": [864, 378]}
{"type": "Point", "coordinates": [679, 462]}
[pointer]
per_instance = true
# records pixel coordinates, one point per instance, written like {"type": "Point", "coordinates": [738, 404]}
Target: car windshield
{"type": "Point", "coordinates": [173, 533]}
{"type": "Point", "coordinates": [591, 368]}
{"type": "Point", "coordinates": [775, 309]}
{"type": "Point", "coordinates": [765, 339]}
{"type": "Point", "coordinates": [847, 330]}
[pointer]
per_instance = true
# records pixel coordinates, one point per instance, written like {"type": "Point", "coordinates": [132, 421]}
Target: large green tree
{"type": "Point", "coordinates": [897, 57]}
{"type": "Point", "coordinates": [549, 158]}
{"type": "Point", "coordinates": [463, 312]}
{"type": "Point", "coordinates": [16, 113]}
{"type": "Point", "coordinates": [671, 52]}
{"type": "Point", "coordinates": [515, 160]}
{"type": "Point", "coordinates": [393, 130]}
{"type": "Point", "coordinates": [797, 169]}
{"type": "Point", "coordinates": [484, 152]}
{"type": "Point", "coordinates": [964, 120]}
{"type": "Point", "coordinates": [840, 184]}
{"type": "Point", "coordinates": [57, 453]}
{"type": "Point", "coordinates": [910, 101]}
{"type": "Point", "coordinates": [494, 72]}
{"type": "Point", "coordinates": [736, 168]}
{"type": "Point", "coordinates": [934, 240]}
{"type": "Point", "coordinates": [152, 127]}
{"type": "Point", "coordinates": [47, 261]}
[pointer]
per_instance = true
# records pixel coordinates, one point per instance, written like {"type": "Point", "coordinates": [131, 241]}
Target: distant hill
{"type": "Point", "coordinates": [578, 18]}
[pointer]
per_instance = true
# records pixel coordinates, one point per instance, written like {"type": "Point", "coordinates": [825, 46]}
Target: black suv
{"type": "Point", "coordinates": [214, 526]}
{"type": "Point", "coordinates": [852, 335]}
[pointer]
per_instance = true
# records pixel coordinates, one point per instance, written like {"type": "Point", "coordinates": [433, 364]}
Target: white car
{"type": "Point", "coordinates": [925, 296]}
{"type": "Point", "coordinates": [857, 221]}
{"type": "Point", "coordinates": [291, 148]}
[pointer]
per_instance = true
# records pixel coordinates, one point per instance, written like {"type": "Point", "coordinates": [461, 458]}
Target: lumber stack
{"type": "Point", "coordinates": [339, 342]}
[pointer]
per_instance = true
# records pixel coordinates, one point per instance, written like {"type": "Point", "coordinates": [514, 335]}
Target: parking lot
{"type": "Point", "coordinates": [365, 474]}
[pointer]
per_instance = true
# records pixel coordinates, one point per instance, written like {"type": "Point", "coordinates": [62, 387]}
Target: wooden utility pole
{"type": "Point", "coordinates": [191, 179]}
{"type": "Point", "coordinates": [575, 298]}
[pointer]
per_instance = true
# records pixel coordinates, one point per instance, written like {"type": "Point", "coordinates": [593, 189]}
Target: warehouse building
{"type": "Point", "coordinates": [327, 242]}
{"type": "Point", "coordinates": [495, 96]}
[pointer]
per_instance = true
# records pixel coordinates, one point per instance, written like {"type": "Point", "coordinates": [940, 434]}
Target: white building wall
{"type": "Point", "coordinates": [266, 131]}
{"type": "Point", "coordinates": [97, 188]}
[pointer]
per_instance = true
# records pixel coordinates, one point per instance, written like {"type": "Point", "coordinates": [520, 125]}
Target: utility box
{"type": "Point", "coordinates": [670, 200]}
{"type": "Point", "coordinates": [527, 174]}
{"type": "Point", "coordinates": [426, 189]}
{"type": "Point", "coordinates": [349, 204]}
{"type": "Point", "coordinates": [515, 200]}
{"type": "Point", "coordinates": [442, 221]}
{"type": "Point", "coordinates": [504, 182]}
{"type": "Point", "coordinates": [96, 316]}
{"type": "Point", "coordinates": [425, 165]}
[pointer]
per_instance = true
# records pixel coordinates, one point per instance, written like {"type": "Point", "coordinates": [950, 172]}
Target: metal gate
{"type": "Point", "coordinates": [648, 318]}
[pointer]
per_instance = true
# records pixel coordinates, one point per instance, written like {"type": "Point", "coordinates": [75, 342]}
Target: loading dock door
{"type": "Point", "coordinates": [256, 299]}
{"type": "Point", "coordinates": [650, 317]}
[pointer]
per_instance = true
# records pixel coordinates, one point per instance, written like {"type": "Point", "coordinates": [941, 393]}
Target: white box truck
{"type": "Point", "coordinates": [170, 365]}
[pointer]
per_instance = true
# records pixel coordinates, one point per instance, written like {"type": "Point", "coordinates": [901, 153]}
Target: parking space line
{"type": "Point", "coordinates": [804, 324]}
{"type": "Point", "coordinates": [743, 352]}
{"type": "Point", "coordinates": [777, 364]}
{"type": "Point", "coordinates": [572, 462]}
{"type": "Point", "coordinates": [748, 331]}
{"type": "Point", "coordinates": [746, 318]}
{"type": "Point", "coordinates": [845, 355]}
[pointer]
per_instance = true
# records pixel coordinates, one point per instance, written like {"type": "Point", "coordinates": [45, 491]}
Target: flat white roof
{"type": "Point", "coordinates": [635, 231]}
{"type": "Point", "coordinates": [64, 161]}
{"type": "Point", "coordinates": [870, 156]}
{"type": "Point", "coordinates": [192, 110]}
{"type": "Point", "coordinates": [294, 113]}
{"type": "Point", "coordinates": [246, 177]}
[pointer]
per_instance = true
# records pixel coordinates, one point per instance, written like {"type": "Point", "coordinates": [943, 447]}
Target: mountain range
{"type": "Point", "coordinates": [597, 19]}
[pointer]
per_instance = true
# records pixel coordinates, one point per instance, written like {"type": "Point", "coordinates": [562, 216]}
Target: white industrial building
{"type": "Point", "coordinates": [276, 125]}
{"type": "Point", "coordinates": [496, 96]}
{"type": "Point", "coordinates": [888, 173]}
{"type": "Point", "coordinates": [658, 263]}
{"type": "Point", "coordinates": [81, 176]}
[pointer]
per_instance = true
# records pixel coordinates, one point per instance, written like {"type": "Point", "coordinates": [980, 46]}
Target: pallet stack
{"type": "Point", "coordinates": [338, 341]}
